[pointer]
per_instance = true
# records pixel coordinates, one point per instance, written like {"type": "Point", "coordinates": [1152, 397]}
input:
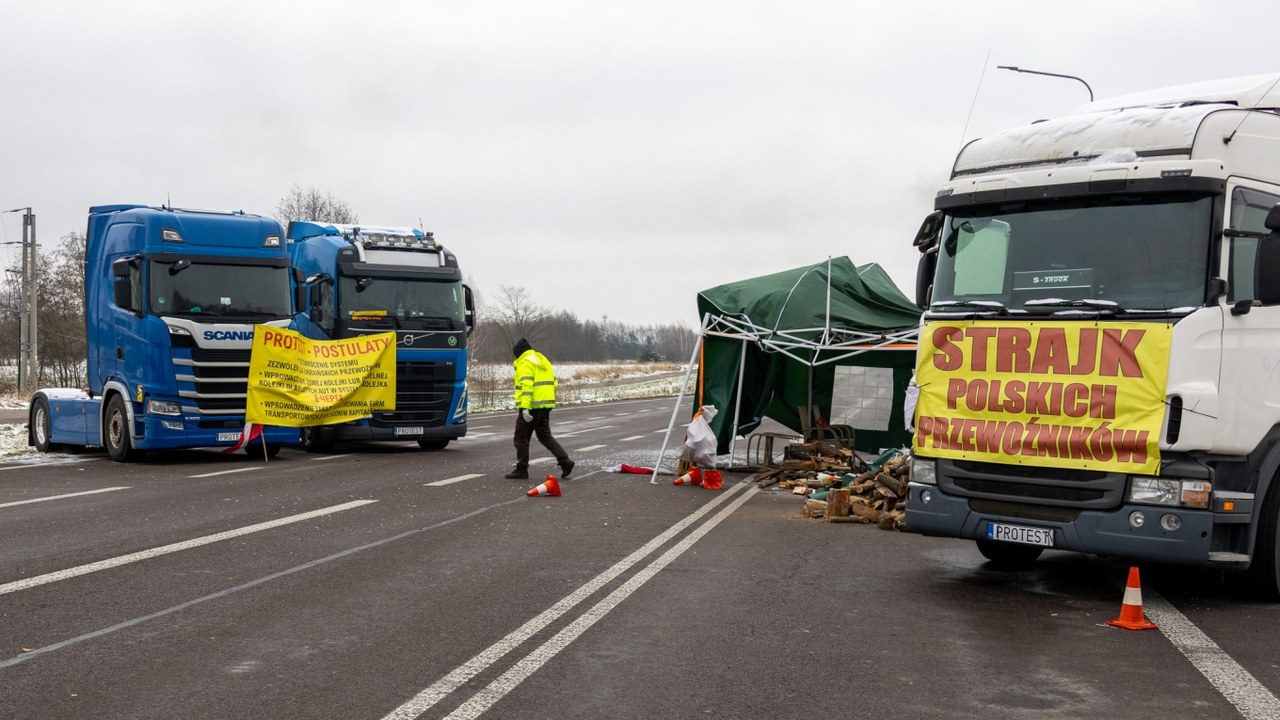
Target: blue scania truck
{"type": "Point", "coordinates": [171, 300]}
{"type": "Point", "coordinates": [364, 279]}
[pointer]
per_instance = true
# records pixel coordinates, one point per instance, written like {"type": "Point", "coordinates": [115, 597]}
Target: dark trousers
{"type": "Point", "coordinates": [541, 426]}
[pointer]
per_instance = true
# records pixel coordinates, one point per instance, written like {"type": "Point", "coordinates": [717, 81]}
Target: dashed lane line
{"type": "Point", "coordinates": [452, 480]}
{"type": "Point", "coordinates": [37, 652]}
{"type": "Point", "coordinates": [633, 437]}
{"type": "Point", "coordinates": [60, 497]}
{"type": "Point", "coordinates": [254, 468]}
{"type": "Point", "coordinates": [37, 580]}
{"type": "Point", "coordinates": [589, 448]}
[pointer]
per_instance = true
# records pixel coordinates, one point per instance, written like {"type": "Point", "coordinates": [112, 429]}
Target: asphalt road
{"type": "Point", "coordinates": [386, 582]}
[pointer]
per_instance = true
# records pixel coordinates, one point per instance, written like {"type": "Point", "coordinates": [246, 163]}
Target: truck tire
{"type": "Point", "coordinates": [1264, 570]}
{"type": "Point", "coordinates": [115, 431]}
{"type": "Point", "coordinates": [432, 444]}
{"type": "Point", "coordinates": [314, 440]}
{"type": "Point", "coordinates": [41, 427]}
{"type": "Point", "coordinates": [1009, 556]}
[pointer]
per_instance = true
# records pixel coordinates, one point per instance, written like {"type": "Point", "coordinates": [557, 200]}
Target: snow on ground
{"type": "Point", "coordinates": [579, 384]}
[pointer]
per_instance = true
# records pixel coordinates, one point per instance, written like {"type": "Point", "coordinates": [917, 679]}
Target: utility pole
{"type": "Point", "coordinates": [28, 360]}
{"type": "Point", "coordinates": [29, 279]}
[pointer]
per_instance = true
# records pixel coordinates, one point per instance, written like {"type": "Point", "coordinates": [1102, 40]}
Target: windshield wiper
{"type": "Point", "coordinates": [991, 306]}
{"type": "Point", "coordinates": [1087, 305]}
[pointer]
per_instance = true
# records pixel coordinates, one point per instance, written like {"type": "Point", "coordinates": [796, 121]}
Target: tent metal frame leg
{"type": "Point", "coordinates": [657, 466]}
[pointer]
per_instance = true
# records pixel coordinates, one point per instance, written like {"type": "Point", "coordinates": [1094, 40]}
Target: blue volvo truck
{"type": "Point", "coordinates": [364, 279]}
{"type": "Point", "coordinates": [171, 300]}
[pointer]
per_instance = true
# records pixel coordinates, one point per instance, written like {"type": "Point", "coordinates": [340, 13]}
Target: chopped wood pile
{"type": "Point", "coordinates": [835, 491]}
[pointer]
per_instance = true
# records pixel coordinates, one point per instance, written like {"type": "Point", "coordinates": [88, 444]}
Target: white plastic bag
{"type": "Point", "coordinates": [699, 442]}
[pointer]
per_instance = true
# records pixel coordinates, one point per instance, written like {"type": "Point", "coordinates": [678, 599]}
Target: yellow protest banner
{"type": "Point", "coordinates": [295, 381]}
{"type": "Point", "coordinates": [1058, 394]}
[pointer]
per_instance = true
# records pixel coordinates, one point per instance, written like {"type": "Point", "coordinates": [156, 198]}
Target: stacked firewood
{"type": "Point", "coordinates": [871, 496]}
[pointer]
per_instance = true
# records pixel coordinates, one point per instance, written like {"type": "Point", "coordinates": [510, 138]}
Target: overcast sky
{"type": "Point", "coordinates": [612, 157]}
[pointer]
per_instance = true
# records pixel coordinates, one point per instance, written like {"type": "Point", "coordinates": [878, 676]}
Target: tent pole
{"type": "Point", "coordinates": [737, 404]}
{"type": "Point", "coordinates": [653, 479]}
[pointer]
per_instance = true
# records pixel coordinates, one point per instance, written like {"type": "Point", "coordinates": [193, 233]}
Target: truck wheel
{"type": "Point", "coordinates": [115, 431]}
{"type": "Point", "coordinates": [314, 440]}
{"type": "Point", "coordinates": [1009, 555]}
{"type": "Point", "coordinates": [426, 444]}
{"type": "Point", "coordinates": [40, 425]}
{"type": "Point", "coordinates": [1264, 571]}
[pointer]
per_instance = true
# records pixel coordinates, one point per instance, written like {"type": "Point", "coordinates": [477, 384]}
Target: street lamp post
{"type": "Point", "coordinates": [1039, 72]}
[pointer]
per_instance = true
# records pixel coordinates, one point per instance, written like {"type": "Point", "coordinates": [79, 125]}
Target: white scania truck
{"type": "Point", "coordinates": [1099, 363]}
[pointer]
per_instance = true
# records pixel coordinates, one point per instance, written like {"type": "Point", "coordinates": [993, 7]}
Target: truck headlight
{"type": "Point", "coordinates": [1169, 492]}
{"type": "Point", "coordinates": [163, 407]}
{"type": "Point", "coordinates": [924, 471]}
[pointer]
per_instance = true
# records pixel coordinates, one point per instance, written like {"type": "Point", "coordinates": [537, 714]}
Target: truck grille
{"type": "Point", "coordinates": [210, 381]}
{"type": "Point", "coordinates": [423, 392]}
{"type": "Point", "coordinates": [1061, 487]}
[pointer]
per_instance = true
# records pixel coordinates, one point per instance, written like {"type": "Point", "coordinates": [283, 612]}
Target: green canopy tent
{"type": "Point", "coordinates": [832, 335]}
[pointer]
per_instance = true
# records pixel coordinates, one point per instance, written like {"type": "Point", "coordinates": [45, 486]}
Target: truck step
{"type": "Point", "coordinates": [1228, 557]}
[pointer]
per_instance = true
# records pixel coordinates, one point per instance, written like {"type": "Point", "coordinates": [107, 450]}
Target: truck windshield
{"type": "Point", "coordinates": [1145, 254]}
{"type": "Point", "coordinates": [411, 301]}
{"type": "Point", "coordinates": [217, 290]}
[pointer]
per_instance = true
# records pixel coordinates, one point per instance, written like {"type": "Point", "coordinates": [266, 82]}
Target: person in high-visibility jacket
{"type": "Point", "coordinates": [535, 382]}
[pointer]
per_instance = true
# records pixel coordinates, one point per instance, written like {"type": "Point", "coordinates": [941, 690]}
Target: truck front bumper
{"type": "Point", "coordinates": [930, 511]}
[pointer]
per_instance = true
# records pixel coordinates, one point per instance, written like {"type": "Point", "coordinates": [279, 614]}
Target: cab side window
{"type": "Point", "coordinates": [1248, 212]}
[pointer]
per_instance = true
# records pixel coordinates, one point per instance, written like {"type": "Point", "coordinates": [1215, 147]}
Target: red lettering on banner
{"type": "Point", "coordinates": [1120, 353]}
{"type": "Point", "coordinates": [949, 357]}
{"type": "Point", "coordinates": [1013, 350]}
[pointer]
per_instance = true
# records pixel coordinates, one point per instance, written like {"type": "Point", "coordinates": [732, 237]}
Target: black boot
{"type": "Point", "coordinates": [566, 467]}
{"type": "Point", "coordinates": [518, 473]}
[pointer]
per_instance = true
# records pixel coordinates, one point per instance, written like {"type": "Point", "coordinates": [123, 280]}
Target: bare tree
{"type": "Point", "coordinates": [518, 316]}
{"type": "Point", "coordinates": [310, 204]}
{"type": "Point", "coordinates": [60, 291]}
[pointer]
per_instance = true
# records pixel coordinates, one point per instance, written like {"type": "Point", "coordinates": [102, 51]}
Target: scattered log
{"type": "Point", "coordinates": [837, 503]}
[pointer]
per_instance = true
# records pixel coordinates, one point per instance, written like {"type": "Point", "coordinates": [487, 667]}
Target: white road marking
{"type": "Point", "coordinates": [579, 432]}
{"type": "Point", "coordinates": [59, 497]}
{"type": "Point", "coordinates": [47, 578]}
{"type": "Point", "coordinates": [255, 468]}
{"type": "Point", "coordinates": [452, 480]}
{"type": "Point", "coordinates": [331, 457]}
{"type": "Point", "coordinates": [633, 437]}
{"type": "Point", "coordinates": [589, 448]}
{"type": "Point", "coordinates": [598, 417]}
{"type": "Point", "coordinates": [1240, 688]}
{"type": "Point", "coordinates": [531, 663]}
{"type": "Point", "coordinates": [477, 427]}
{"type": "Point", "coordinates": [541, 460]}
{"type": "Point", "coordinates": [462, 674]}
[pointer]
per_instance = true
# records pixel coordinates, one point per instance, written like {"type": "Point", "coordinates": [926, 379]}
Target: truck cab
{"type": "Point", "coordinates": [373, 279]}
{"type": "Point", "coordinates": [171, 300]}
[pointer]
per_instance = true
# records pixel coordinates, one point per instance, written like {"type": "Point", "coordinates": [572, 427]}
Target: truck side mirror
{"type": "Point", "coordinates": [469, 303]}
{"type": "Point", "coordinates": [925, 268]}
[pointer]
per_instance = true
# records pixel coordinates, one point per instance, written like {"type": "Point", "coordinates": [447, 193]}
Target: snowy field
{"type": "Point", "coordinates": [490, 390]}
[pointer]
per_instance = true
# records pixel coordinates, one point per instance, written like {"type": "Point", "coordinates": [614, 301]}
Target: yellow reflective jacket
{"type": "Point", "coordinates": [535, 382]}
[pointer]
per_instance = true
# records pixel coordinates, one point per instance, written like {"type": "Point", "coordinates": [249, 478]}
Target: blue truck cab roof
{"type": "Point", "coordinates": [195, 232]}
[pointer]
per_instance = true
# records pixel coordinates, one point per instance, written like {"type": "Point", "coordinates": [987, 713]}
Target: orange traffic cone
{"type": "Point", "coordinates": [1131, 617]}
{"type": "Point", "coordinates": [550, 487]}
{"type": "Point", "coordinates": [693, 477]}
{"type": "Point", "coordinates": [712, 479]}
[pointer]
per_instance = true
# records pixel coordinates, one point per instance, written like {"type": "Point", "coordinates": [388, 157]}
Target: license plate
{"type": "Point", "coordinates": [229, 437]}
{"type": "Point", "coordinates": [407, 431]}
{"type": "Point", "coordinates": [1023, 534]}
